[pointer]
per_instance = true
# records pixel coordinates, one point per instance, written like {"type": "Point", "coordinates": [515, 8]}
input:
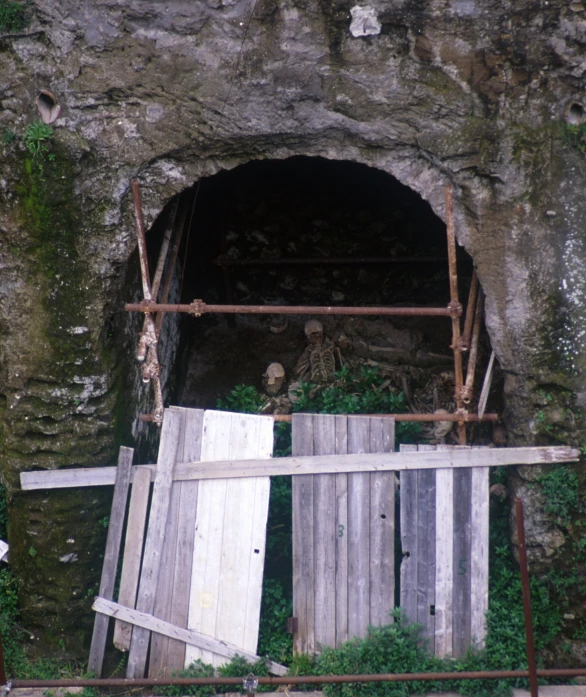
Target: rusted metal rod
{"type": "Point", "coordinates": [224, 260]}
{"type": "Point", "coordinates": [454, 304]}
{"type": "Point", "coordinates": [468, 389]}
{"type": "Point", "coordinates": [465, 339]}
{"type": "Point", "coordinates": [198, 307]}
{"type": "Point", "coordinates": [468, 418]}
{"type": "Point", "coordinates": [142, 250]}
{"type": "Point", "coordinates": [305, 679]}
{"type": "Point", "coordinates": [526, 596]}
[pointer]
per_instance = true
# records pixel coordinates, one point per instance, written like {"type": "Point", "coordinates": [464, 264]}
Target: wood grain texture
{"type": "Point", "coordinates": [479, 554]}
{"type": "Point", "coordinates": [230, 536]}
{"type": "Point", "coordinates": [155, 539]}
{"type": "Point", "coordinates": [135, 530]}
{"type": "Point", "coordinates": [185, 636]}
{"type": "Point", "coordinates": [444, 555]}
{"type": "Point", "coordinates": [409, 539]}
{"type": "Point", "coordinates": [382, 526]}
{"type": "Point", "coordinates": [303, 545]}
{"type": "Point", "coordinates": [358, 532]}
{"type": "Point", "coordinates": [341, 430]}
{"type": "Point", "coordinates": [461, 592]}
{"type": "Point", "coordinates": [110, 565]}
{"type": "Point", "coordinates": [426, 550]}
{"type": "Point", "coordinates": [324, 536]}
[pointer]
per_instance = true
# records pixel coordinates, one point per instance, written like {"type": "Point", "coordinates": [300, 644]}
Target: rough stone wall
{"type": "Point", "coordinates": [475, 92]}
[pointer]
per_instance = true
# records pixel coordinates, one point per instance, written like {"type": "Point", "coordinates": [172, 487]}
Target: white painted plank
{"type": "Point", "coordinates": [479, 555]}
{"type": "Point", "coordinates": [408, 513]}
{"type": "Point", "coordinates": [327, 464]}
{"type": "Point", "coordinates": [188, 636]}
{"type": "Point", "coordinates": [426, 549]}
{"type": "Point", "coordinates": [110, 565]}
{"type": "Point", "coordinates": [444, 553]}
{"type": "Point", "coordinates": [155, 537]}
{"type": "Point", "coordinates": [230, 536]}
{"type": "Point", "coordinates": [135, 529]}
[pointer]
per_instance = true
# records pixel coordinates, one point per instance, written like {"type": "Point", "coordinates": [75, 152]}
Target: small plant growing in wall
{"type": "Point", "coordinates": [14, 16]}
{"type": "Point", "coordinates": [36, 139]}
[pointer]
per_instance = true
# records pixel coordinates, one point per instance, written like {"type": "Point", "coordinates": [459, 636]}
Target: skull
{"type": "Point", "coordinates": [314, 332]}
{"type": "Point", "coordinates": [273, 378]}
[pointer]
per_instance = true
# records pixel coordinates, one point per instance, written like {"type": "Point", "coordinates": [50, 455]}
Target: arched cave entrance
{"type": "Point", "coordinates": [310, 231]}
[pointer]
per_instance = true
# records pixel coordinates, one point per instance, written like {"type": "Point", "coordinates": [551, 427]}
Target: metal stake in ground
{"type": "Point", "coordinates": [526, 597]}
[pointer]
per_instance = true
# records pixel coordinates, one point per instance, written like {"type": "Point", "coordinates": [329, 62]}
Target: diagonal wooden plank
{"type": "Point", "coordinates": [129, 577]}
{"type": "Point", "coordinates": [358, 532]}
{"type": "Point", "coordinates": [155, 538]}
{"type": "Point", "coordinates": [303, 526]}
{"type": "Point", "coordinates": [185, 636]}
{"type": "Point", "coordinates": [110, 565]}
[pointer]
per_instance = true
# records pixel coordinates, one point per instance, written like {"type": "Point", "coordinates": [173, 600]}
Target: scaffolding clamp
{"type": "Point", "coordinates": [198, 307]}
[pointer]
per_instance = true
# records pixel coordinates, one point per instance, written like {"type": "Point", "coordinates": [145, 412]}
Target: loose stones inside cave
{"type": "Point", "coordinates": [359, 237]}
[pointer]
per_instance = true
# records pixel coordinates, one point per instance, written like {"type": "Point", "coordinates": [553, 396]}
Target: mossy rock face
{"type": "Point", "coordinates": [454, 92]}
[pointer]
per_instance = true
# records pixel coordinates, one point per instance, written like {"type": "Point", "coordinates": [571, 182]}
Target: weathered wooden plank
{"type": "Point", "coordinates": [444, 556]}
{"type": "Point", "coordinates": [230, 536]}
{"type": "Point", "coordinates": [324, 536]}
{"type": "Point", "coordinates": [303, 549]}
{"type": "Point", "coordinates": [426, 550]}
{"type": "Point", "coordinates": [188, 496]}
{"type": "Point", "coordinates": [409, 526]}
{"type": "Point", "coordinates": [479, 554]}
{"type": "Point", "coordinates": [461, 592]}
{"type": "Point", "coordinates": [133, 544]}
{"type": "Point", "coordinates": [110, 565]}
{"type": "Point", "coordinates": [327, 464]}
{"type": "Point", "coordinates": [358, 532]}
{"type": "Point", "coordinates": [187, 636]}
{"type": "Point", "coordinates": [155, 538]}
{"type": "Point", "coordinates": [382, 526]}
{"type": "Point", "coordinates": [341, 428]}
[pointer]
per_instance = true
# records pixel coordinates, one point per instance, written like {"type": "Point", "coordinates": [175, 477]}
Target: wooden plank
{"type": "Point", "coordinates": [382, 526]}
{"type": "Point", "coordinates": [327, 464]}
{"type": "Point", "coordinates": [187, 636]}
{"type": "Point", "coordinates": [110, 565]}
{"type": "Point", "coordinates": [426, 550]}
{"type": "Point", "coordinates": [409, 525]}
{"type": "Point", "coordinates": [155, 538]}
{"type": "Point", "coordinates": [230, 536]}
{"type": "Point", "coordinates": [324, 536]}
{"type": "Point", "coordinates": [358, 532]}
{"type": "Point", "coordinates": [479, 555]}
{"type": "Point", "coordinates": [188, 497]}
{"type": "Point", "coordinates": [461, 592]}
{"type": "Point", "coordinates": [303, 526]}
{"type": "Point", "coordinates": [444, 553]}
{"type": "Point", "coordinates": [341, 426]}
{"type": "Point", "coordinates": [135, 529]}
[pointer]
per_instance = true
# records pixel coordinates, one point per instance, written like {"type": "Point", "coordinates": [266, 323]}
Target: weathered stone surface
{"type": "Point", "coordinates": [470, 91]}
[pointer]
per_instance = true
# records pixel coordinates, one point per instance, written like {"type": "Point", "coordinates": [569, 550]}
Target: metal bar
{"type": "Point", "coordinates": [455, 303]}
{"type": "Point", "coordinates": [170, 272]}
{"type": "Point", "coordinates": [163, 254]}
{"type": "Point", "coordinates": [224, 260]}
{"type": "Point", "coordinates": [306, 679]}
{"type": "Point", "coordinates": [526, 596]}
{"type": "Point", "coordinates": [468, 418]}
{"type": "Point", "coordinates": [198, 307]}
{"type": "Point", "coordinates": [142, 250]}
{"type": "Point", "coordinates": [465, 340]}
{"type": "Point", "coordinates": [468, 389]}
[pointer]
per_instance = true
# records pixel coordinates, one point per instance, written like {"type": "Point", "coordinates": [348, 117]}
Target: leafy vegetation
{"type": "Point", "coordinates": [36, 139]}
{"type": "Point", "coordinates": [14, 16]}
{"type": "Point", "coordinates": [560, 488]}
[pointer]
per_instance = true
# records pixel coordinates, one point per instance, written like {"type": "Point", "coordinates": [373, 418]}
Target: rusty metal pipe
{"type": "Point", "coordinates": [199, 308]}
{"type": "Point", "coordinates": [142, 250]}
{"type": "Point", "coordinates": [526, 596]}
{"type": "Point", "coordinates": [455, 303]}
{"type": "Point", "coordinates": [224, 260]}
{"type": "Point", "coordinates": [305, 679]}
{"type": "Point", "coordinates": [468, 389]}
{"type": "Point", "coordinates": [465, 340]}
